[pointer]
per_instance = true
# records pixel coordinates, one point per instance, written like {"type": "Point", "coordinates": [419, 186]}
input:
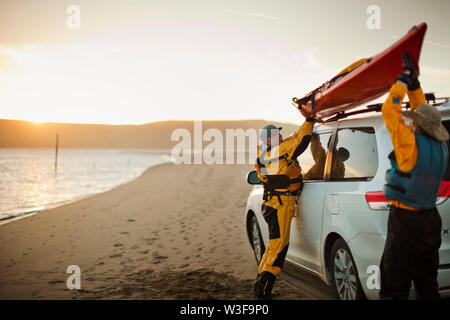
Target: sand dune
{"type": "Point", "coordinates": [176, 232]}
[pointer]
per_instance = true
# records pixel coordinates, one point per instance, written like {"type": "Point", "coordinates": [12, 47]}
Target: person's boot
{"type": "Point", "coordinates": [263, 286]}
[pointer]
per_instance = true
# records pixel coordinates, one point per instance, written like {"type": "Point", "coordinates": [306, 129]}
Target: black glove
{"type": "Point", "coordinates": [298, 103]}
{"type": "Point", "coordinates": [306, 115]}
{"type": "Point", "coordinates": [410, 72]}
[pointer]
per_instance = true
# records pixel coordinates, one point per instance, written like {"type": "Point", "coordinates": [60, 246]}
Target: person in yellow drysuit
{"type": "Point", "coordinates": [277, 159]}
{"type": "Point", "coordinates": [419, 160]}
{"type": "Point", "coordinates": [319, 156]}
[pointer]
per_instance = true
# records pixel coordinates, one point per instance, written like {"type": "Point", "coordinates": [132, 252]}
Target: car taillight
{"type": "Point", "coordinates": [377, 201]}
{"type": "Point", "coordinates": [444, 192]}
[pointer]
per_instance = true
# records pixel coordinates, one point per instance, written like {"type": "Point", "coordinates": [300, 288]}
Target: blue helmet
{"type": "Point", "coordinates": [268, 131]}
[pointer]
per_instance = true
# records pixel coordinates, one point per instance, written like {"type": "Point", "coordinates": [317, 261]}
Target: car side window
{"type": "Point", "coordinates": [312, 160]}
{"type": "Point", "coordinates": [355, 155]}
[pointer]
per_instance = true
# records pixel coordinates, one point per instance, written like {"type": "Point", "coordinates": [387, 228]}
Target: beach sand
{"type": "Point", "coordinates": [176, 232]}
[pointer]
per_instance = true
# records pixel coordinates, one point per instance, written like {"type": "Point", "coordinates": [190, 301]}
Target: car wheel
{"type": "Point", "coordinates": [256, 239]}
{"type": "Point", "coordinates": [344, 273]}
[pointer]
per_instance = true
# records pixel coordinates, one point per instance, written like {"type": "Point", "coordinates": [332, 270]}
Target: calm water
{"type": "Point", "coordinates": [28, 182]}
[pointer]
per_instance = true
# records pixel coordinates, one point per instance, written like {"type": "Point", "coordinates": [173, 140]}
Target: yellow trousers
{"type": "Point", "coordinates": [278, 217]}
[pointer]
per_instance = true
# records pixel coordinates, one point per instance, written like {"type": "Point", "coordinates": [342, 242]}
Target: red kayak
{"type": "Point", "coordinates": [364, 80]}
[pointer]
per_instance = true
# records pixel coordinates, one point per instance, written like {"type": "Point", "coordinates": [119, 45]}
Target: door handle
{"type": "Point", "coordinates": [334, 203]}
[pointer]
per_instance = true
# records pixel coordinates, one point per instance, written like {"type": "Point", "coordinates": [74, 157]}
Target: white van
{"type": "Point", "coordinates": [339, 230]}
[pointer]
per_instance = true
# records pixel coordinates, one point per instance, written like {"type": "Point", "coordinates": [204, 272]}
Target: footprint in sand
{"type": "Point", "coordinates": [212, 250]}
{"type": "Point", "coordinates": [35, 293]}
{"type": "Point", "coordinates": [157, 258]}
{"type": "Point", "coordinates": [142, 259]}
{"type": "Point", "coordinates": [151, 240]}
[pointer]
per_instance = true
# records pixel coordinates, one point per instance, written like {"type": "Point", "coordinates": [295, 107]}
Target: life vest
{"type": "Point", "coordinates": [418, 188]}
{"type": "Point", "coordinates": [290, 180]}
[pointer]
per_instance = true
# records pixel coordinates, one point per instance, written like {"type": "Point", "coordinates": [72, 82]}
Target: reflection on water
{"type": "Point", "coordinates": [28, 181]}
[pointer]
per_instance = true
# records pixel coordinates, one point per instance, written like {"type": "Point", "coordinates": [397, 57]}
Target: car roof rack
{"type": "Point", "coordinates": [430, 96]}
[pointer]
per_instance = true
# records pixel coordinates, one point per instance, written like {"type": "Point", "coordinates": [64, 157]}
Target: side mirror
{"type": "Point", "coordinates": [252, 178]}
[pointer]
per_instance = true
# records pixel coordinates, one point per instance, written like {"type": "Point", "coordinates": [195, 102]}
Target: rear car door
{"type": "Point", "coordinates": [306, 226]}
{"type": "Point", "coordinates": [353, 166]}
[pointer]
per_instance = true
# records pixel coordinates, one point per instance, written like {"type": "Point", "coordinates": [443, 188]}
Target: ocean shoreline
{"type": "Point", "coordinates": [20, 214]}
{"type": "Point", "coordinates": [24, 215]}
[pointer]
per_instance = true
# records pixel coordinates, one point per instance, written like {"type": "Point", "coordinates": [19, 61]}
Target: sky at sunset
{"type": "Point", "coordinates": [143, 61]}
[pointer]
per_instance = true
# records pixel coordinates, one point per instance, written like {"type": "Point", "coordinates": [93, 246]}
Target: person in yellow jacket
{"type": "Point", "coordinates": [280, 174]}
{"type": "Point", "coordinates": [319, 156]}
{"type": "Point", "coordinates": [419, 161]}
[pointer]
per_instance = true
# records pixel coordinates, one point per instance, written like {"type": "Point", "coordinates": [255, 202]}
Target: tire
{"type": "Point", "coordinates": [344, 274]}
{"type": "Point", "coordinates": [256, 239]}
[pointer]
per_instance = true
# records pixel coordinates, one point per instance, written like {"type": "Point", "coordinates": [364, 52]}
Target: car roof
{"type": "Point", "coordinates": [375, 118]}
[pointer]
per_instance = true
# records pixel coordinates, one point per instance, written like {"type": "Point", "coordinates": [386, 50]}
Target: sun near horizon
{"type": "Point", "coordinates": [170, 61]}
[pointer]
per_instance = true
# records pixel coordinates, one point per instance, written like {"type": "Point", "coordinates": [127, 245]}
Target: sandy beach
{"type": "Point", "coordinates": [176, 232]}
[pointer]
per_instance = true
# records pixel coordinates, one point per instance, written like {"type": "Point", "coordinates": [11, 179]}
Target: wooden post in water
{"type": "Point", "coordinates": [56, 153]}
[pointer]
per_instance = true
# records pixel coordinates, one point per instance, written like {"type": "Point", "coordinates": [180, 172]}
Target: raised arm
{"type": "Point", "coordinates": [410, 78]}
{"type": "Point", "coordinates": [403, 139]}
{"type": "Point", "coordinates": [416, 98]}
{"type": "Point", "coordinates": [296, 144]}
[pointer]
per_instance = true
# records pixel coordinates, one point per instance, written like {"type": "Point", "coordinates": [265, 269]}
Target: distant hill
{"type": "Point", "coordinates": [26, 134]}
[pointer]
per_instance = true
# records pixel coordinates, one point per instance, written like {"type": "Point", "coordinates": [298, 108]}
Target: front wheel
{"type": "Point", "coordinates": [344, 273]}
{"type": "Point", "coordinates": [256, 240]}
